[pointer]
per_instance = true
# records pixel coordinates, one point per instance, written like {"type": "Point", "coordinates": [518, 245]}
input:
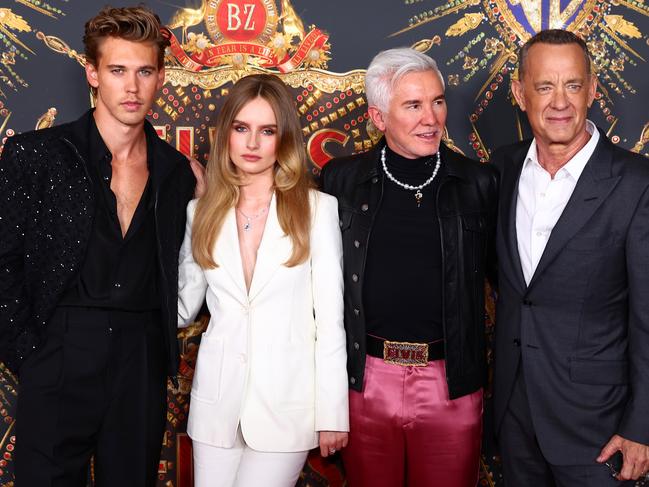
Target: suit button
{"type": "Point", "coordinates": [375, 180]}
{"type": "Point", "coordinates": [527, 302]}
{"type": "Point", "coordinates": [356, 346]}
{"type": "Point", "coordinates": [340, 223]}
{"type": "Point", "coordinates": [352, 380]}
{"type": "Point", "coordinates": [355, 277]}
{"type": "Point", "coordinates": [365, 207]}
{"type": "Point", "coordinates": [357, 243]}
{"type": "Point", "coordinates": [517, 342]}
{"type": "Point", "coordinates": [357, 311]}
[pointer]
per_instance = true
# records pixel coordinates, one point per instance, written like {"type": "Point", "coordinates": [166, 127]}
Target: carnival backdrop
{"type": "Point", "coordinates": [320, 49]}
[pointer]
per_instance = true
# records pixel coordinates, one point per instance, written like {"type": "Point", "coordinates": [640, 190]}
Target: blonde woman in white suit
{"type": "Point", "coordinates": [270, 380]}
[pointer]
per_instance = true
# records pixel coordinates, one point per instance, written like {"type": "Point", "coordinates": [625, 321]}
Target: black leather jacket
{"type": "Point", "coordinates": [46, 211]}
{"type": "Point", "coordinates": [466, 205]}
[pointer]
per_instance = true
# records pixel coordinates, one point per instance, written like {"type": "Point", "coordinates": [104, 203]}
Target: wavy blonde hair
{"type": "Point", "coordinates": [291, 182]}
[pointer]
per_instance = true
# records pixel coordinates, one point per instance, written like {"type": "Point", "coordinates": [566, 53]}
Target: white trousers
{"type": "Point", "coordinates": [241, 466]}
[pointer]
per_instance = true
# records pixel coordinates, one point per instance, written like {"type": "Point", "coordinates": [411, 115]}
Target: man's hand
{"type": "Point", "coordinates": [199, 174]}
{"type": "Point", "coordinates": [636, 457]}
{"type": "Point", "coordinates": [332, 441]}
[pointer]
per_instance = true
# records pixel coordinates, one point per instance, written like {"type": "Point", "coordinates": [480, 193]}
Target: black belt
{"type": "Point", "coordinates": [404, 353]}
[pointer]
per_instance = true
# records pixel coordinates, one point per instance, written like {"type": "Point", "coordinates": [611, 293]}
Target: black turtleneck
{"type": "Point", "coordinates": [403, 273]}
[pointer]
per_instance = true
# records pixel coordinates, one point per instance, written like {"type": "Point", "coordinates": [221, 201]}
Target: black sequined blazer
{"type": "Point", "coordinates": [46, 211]}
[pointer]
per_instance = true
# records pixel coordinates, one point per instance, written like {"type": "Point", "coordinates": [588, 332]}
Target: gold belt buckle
{"type": "Point", "coordinates": [405, 353]}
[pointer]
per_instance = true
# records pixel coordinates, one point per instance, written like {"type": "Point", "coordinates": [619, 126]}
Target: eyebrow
{"type": "Point", "coordinates": [269, 126]}
{"type": "Point", "coordinates": [121, 66]}
{"type": "Point", "coordinates": [416, 100]}
{"type": "Point", "coordinates": [548, 82]}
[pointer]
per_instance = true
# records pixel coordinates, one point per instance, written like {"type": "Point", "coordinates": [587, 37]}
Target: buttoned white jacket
{"type": "Point", "coordinates": [272, 359]}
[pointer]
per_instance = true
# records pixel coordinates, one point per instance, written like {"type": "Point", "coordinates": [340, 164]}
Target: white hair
{"type": "Point", "coordinates": [388, 67]}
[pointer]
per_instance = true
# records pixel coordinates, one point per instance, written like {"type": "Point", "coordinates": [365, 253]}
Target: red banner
{"type": "Point", "coordinates": [212, 56]}
{"type": "Point", "coordinates": [314, 40]}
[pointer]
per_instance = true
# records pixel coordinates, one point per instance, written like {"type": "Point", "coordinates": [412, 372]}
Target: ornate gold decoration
{"type": "Point", "coordinates": [246, 33]}
{"type": "Point", "coordinates": [10, 20]}
{"type": "Point", "coordinates": [470, 62]}
{"type": "Point", "coordinates": [240, 19]}
{"type": "Point", "coordinates": [46, 120]}
{"type": "Point", "coordinates": [60, 46]}
{"type": "Point", "coordinates": [492, 46]}
{"type": "Point", "coordinates": [323, 80]}
{"type": "Point", "coordinates": [598, 22]}
{"type": "Point", "coordinates": [429, 18]}
{"type": "Point", "coordinates": [197, 43]}
{"type": "Point", "coordinates": [425, 44]}
{"type": "Point", "coordinates": [465, 24]}
{"type": "Point", "coordinates": [622, 26]}
{"type": "Point", "coordinates": [187, 17]}
{"type": "Point", "coordinates": [450, 143]}
{"type": "Point", "coordinates": [317, 58]}
{"type": "Point", "coordinates": [41, 7]}
{"type": "Point", "coordinates": [280, 43]}
{"type": "Point", "coordinates": [3, 125]}
{"type": "Point", "coordinates": [617, 64]}
{"type": "Point", "coordinates": [643, 140]}
{"type": "Point", "coordinates": [617, 39]}
{"type": "Point", "coordinates": [453, 79]}
{"type": "Point", "coordinates": [291, 23]}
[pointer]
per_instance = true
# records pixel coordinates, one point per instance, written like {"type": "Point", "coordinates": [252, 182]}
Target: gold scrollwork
{"type": "Point", "coordinates": [323, 80]}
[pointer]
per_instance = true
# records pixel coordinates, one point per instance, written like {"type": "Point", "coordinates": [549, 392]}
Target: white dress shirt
{"type": "Point", "coordinates": [542, 199]}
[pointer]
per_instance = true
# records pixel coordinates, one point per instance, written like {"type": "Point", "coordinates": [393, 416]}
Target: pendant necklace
{"type": "Point", "coordinates": [249, 219]}
{"type": "Point", "coordinates": [417, 189]}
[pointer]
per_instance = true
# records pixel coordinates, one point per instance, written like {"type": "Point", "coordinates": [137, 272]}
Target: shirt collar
{"type": "Point", "coordinates": [575, 166]}
{"type": "Point", "coordinates": [100, 155]}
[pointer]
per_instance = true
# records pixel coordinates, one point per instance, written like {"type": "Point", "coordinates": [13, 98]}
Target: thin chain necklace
{"type": "Point", "coordinates": [418, 194]}
{"type": "Point", "coordinates": [249, 219]}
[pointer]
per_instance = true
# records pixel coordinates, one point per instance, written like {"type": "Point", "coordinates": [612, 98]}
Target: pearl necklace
{"type": "Point", "coordinates": [418, 194]}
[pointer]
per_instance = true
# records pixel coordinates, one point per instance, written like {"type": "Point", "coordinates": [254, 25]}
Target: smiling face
{"type": "Point", "coordinates": [253, 139]}
{"type": "Point", "coordinates": [555, 92]}
{"type": "Point", "coordinates": [126, 78]}
{"type": "Point", "coordinates": [414, 121]}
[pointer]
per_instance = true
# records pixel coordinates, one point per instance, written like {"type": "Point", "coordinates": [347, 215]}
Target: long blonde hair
{"type": "Point", "coordinates": [291, 182]}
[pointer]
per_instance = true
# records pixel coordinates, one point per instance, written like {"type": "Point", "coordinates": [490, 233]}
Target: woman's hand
{"type": "Point", "coordinates": [199, 173]}
{"type": "Point", "coordinates": [332, 441]}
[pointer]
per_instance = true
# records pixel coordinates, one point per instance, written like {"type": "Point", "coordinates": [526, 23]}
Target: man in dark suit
{"type": "Point", "coordinates": [92, 216]}
{"type": "Point", "coordinates": [572, 334]}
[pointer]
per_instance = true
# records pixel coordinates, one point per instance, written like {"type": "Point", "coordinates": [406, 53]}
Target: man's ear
{"type": "Point", "coordinates": [91, 75]}
{"type": "Point", "coordinates": [161, 77]}
{"type": "Point", "coordinates": [518, 92]}
{"type": "Point", "coordinates": [377, 117]}
{"type": "Point", "coordinates": [592, 88]}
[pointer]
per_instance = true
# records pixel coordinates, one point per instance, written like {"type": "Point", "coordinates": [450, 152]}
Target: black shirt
{"type": "Point", "coordinates": [402, 292]}
{"type": "Point", "coordinates": [118, 273]}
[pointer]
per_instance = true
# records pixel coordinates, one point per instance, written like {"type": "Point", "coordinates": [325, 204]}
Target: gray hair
{"type": "Point", "coordinates": [388, 67]}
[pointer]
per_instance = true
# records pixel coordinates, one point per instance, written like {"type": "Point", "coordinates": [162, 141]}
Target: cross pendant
{"type": "Point", "coordinates": [418, 197]}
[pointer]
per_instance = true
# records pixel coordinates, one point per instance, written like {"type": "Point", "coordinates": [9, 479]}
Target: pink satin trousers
{"type": "Point", "coordinates": [405, 431]}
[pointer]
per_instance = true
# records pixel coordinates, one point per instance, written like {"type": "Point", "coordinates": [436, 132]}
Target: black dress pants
{"type": "Point", "coordinates": [524, 464]}
{"type": "Point", "coordinates": [97, 387]}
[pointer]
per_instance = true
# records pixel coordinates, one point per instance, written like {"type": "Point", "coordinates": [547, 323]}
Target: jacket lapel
{"type": "Point", "coordinates": [274, 249]}
{"type": "Point", "coordinates": [594, 185]}
{"type": "Point", "coordinates": [228, 254]}
{"type": "Point", "coordinates": [510, 175]}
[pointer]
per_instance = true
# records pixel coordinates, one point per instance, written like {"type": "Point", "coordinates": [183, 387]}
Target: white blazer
{"type": "Point", "coordinates": [273, 359]}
